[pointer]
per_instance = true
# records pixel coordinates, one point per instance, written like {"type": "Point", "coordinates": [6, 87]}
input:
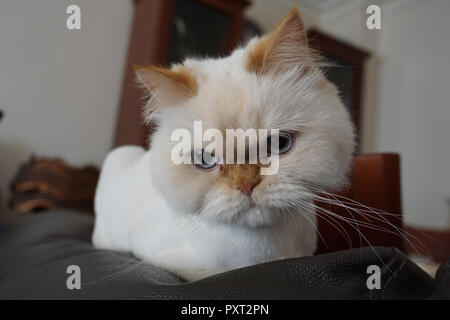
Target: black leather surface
{"type": "Point", "coordinates": [36, 250]}
{"type": "Point", "coordinates": [443, 282]}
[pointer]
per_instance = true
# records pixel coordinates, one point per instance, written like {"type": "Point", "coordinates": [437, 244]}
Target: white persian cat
{"type": "Point", "coordinates": [201, 219]}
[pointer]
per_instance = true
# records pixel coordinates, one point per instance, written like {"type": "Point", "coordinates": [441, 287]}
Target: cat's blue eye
{"type": "Point", "coordinates": [204, 159]}
{"type": "Point", "coordinates": [285, 142]}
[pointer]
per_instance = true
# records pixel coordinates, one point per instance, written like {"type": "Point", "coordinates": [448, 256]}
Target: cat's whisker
{"type": "Point", "coordinates": [401, 233]}
{"type": "Point", "coordinates": [330, 213]}
{"type": "Point", "coordinates": [176, 237]}
{"type": "Point", "coordinates": [285, 211]}
{"type": "Point", "coordinates": [350, 224]}
{"type": "Point", "coordinates": [357, 225]}
{"type": "Point", "coordinates": [363, 224]}
{"type": "Point", "coordinates": [300, 211]}
{"type": "Point", "coordinates": [117, 274]}
{"type": "Point", "coordinates": [313, 213]}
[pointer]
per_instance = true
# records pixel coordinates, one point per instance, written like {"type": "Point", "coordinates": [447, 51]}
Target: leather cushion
{"type": "Point", "coordinates": [36, 250]}
{"type": "Point", "coordinates": [443, 282]}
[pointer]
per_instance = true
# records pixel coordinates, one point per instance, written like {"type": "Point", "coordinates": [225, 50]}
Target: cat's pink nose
{"type": "Point", "coordinates": [247, 188]}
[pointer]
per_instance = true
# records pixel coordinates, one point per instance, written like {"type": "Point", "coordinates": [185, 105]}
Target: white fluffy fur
{"type": "Point", "coordinates": [193, 223]}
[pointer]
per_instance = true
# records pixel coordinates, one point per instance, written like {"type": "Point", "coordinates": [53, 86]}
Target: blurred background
{"type": "Point", "coordinates": [69, 93]}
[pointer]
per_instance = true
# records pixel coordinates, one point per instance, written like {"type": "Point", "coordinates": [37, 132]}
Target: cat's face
{"type": "Point", "coordinates": [272, 83]}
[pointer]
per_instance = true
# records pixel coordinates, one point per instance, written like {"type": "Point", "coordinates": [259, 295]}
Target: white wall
{"type": "Point", "coordinates": [413, 115]}
{"type": "Point", "coordinates": [59, 89]}
{"type": "Point", "coordinates": [407, 92]}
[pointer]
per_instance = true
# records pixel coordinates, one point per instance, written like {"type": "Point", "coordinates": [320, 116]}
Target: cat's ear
{"type": "Point", "coordinates": [167, 86]}
{"type": "Point", "coordinates": [284, 47]}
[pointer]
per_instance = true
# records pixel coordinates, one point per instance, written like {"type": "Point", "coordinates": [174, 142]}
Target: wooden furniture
{"type": "Point", "coordinates": [43, 184]}
{"type": "Point", "coordinates": [150, 43]}
{"type": "Point", "coordinates": [431, 243]}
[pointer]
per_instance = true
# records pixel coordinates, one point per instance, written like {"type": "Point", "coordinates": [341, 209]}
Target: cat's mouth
{"type": "Point", "coordinates": [249, 200]}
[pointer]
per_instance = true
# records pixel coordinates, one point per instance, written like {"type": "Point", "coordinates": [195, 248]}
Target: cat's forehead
{"type": "Point", "coordinates": [225, 97]}
{"type": "Point", "coordinates": [219, 66]}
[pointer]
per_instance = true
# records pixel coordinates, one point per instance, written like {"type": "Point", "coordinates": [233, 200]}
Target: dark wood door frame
{"type": "Point", "coordinates": [149, 43]}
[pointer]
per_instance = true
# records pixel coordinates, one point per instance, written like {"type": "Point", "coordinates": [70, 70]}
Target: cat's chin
{"type": "Point", "coordinates": [260, 217]}
{"type": "Point", "coordinates": [248, 215]}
